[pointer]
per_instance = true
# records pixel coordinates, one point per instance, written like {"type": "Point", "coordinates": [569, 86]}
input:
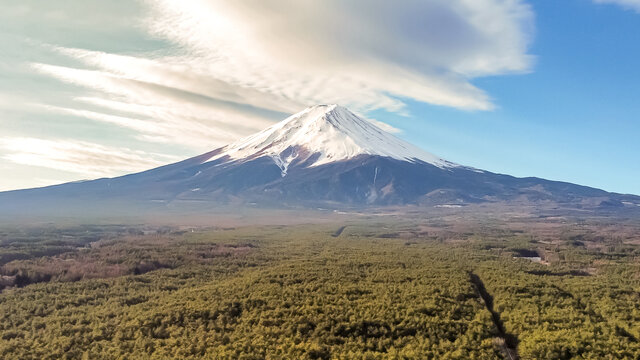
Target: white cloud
{"type": "Point", "coordinates": [359, 52]}
{"type": "Point", "coordinates": [627, 4]}
{"type": "Point", "coordinates": [384, 126]}
{"type": "Point", "coordinates": [80, 157]}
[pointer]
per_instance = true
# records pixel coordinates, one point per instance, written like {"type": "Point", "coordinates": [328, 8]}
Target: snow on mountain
{"type": "Point", "coordinates": [323, 134]}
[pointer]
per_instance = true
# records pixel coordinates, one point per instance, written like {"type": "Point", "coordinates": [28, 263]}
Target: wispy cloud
{"type": "Point", "coordinates": [627, 4]}
{"type": "Point", "coordinates": [157, 111]}
{"type": "Point", "coordinates": [80, 157]}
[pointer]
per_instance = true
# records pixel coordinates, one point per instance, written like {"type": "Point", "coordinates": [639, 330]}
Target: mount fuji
{"type": "Point", "coordinates": [323, 156]}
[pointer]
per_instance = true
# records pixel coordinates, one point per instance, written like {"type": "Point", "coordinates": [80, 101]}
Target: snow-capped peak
{"type": "Point", "coordinates": [328, 133]}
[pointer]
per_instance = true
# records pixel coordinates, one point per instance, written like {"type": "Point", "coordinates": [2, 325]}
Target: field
{"type": "Point", "coordinates": [379, 287]}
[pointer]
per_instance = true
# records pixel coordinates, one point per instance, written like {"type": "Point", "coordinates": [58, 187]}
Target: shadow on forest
{"type": "Point", "coordinates": [511, 341]}
{"type": "Point", "coordinates": [562, 273]}
{"type": "Point", "coordinates": [339, 231]}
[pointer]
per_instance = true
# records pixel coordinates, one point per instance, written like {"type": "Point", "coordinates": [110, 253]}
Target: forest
{"type": "Point", "coordinates": [376, 288]}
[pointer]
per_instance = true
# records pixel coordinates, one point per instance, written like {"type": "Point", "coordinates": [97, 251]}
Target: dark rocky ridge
{"type": "Point", "coordinates": [359, 182]}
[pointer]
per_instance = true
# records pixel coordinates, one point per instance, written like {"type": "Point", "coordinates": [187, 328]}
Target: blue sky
{"type": "Point", "coordinates": [528, 88]}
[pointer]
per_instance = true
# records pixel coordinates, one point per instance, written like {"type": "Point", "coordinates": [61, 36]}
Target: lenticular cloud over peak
{"type": "Point", "coordinates": [363, 53]}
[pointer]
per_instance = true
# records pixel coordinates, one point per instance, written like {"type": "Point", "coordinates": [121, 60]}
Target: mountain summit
{"type": "Point", "coordinates": [323, 134]}
{"type": "Point", "coordinates": [322, 156]}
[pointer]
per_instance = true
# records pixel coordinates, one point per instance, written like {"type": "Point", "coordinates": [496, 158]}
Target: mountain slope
{"type": "Point", "coordinates": [322, 156]}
